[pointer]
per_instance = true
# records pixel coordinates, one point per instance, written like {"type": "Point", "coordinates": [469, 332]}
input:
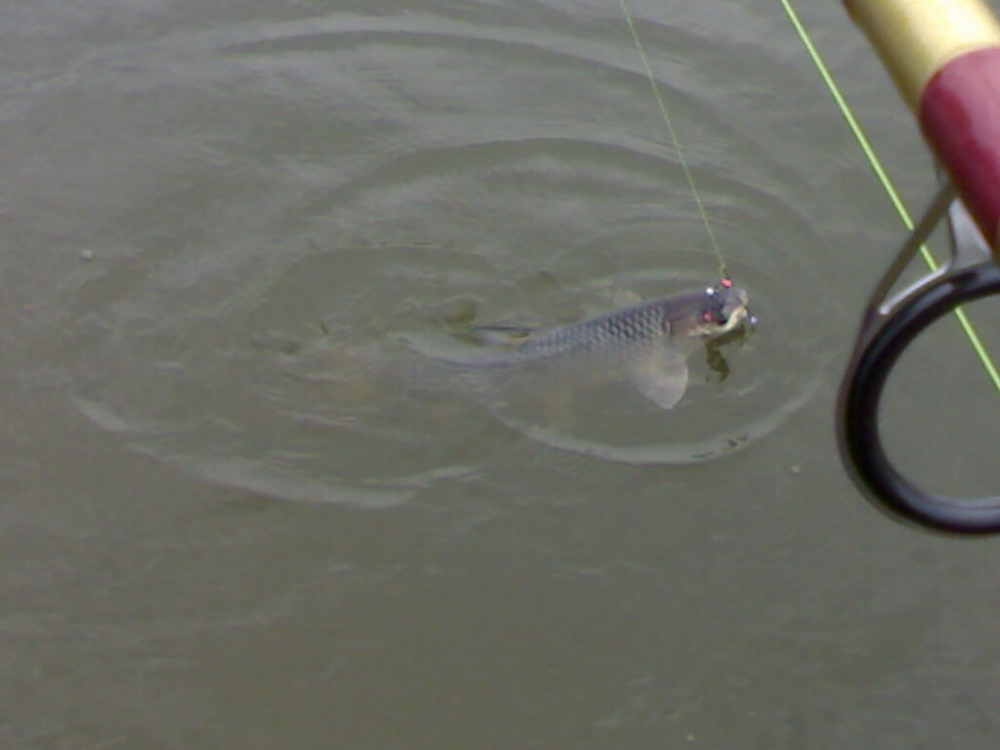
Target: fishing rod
{"type": "Point", "coordinates": [944, 57]}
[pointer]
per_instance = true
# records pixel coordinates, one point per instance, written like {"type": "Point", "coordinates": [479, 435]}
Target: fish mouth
{"type": "Point", "coordinates": [736, 318]}
{"type": "Point", "coordinates": [735, 313]}
{"type": "Point", "coordinates": [746, 315]}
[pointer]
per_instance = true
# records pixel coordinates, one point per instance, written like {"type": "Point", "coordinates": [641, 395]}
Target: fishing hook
{"type": "Point", "coordinates": [889, 325]}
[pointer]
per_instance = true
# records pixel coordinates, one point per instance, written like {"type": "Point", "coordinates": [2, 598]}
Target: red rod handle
{"type": "Point", "coordinates": [944, 56]}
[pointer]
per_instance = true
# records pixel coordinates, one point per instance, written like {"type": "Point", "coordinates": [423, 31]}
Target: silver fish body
{"type": "Point", "coordinates": [646, 344]}
{"type": "Point", "coordinates": [678, 320]}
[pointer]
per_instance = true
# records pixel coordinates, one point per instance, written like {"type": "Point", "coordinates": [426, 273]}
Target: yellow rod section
{"type": "Point", "coordinates": [915, 38]}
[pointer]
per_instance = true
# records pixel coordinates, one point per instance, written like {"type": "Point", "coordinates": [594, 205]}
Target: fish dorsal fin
{"type": "Point", "coordinates": [661, 375]}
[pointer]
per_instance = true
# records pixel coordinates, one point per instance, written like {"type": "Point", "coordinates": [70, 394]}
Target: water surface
{"type": "Point", "coordinates": [232, 514]}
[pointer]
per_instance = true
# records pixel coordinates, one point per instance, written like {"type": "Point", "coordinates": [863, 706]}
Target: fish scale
{"type": "Point", "coordinates": [677, 319]}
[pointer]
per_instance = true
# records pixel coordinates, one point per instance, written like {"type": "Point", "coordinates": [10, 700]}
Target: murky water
{"type": "Point", "coordinates": [236, 512]}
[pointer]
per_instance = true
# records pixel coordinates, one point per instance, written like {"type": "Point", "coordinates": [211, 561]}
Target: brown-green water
{"type": "Point", "coordinates": [221, 529]}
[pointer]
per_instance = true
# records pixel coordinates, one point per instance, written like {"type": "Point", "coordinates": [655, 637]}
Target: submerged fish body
{"type": "Point", "coordinates": [676, 320]}
{"type": "Point", "coordinates": [647, 343]}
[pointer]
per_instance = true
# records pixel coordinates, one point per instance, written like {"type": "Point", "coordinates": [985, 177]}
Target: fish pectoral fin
{"type": "Point", "coordinates": [662, 377]}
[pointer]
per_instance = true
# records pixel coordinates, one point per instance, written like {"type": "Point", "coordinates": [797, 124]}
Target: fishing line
{"type": "Point", "coordinates": [676, 141]}
{"type": "Point", "coordinates": [876, 164]}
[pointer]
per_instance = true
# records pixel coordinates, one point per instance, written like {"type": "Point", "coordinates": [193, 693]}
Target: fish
{"type": "Point", "coordinates": [647, 343]}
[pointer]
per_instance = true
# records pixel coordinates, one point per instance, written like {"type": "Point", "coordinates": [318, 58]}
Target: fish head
{"type": "Point", "coordinates": [715, 312]}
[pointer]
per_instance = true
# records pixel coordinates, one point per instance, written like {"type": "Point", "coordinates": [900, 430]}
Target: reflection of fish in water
{"type": "Point", "coordinates": [647, 343]}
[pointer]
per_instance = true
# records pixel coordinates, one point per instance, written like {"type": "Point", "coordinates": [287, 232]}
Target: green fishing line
{"type": "Point", "coordinates": [702, 212]}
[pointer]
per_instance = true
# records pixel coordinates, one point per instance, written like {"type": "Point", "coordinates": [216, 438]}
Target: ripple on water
{"type": "Point", "coordinates": [403, 174]}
